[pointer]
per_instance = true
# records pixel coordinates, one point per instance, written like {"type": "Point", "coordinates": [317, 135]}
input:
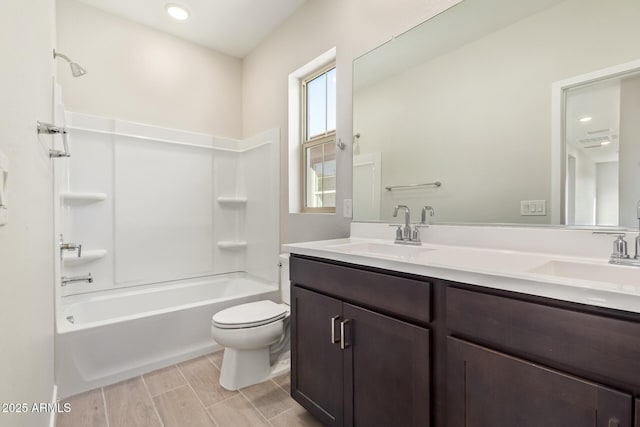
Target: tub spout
{"type": "Point", "coordinates": [66, 280]}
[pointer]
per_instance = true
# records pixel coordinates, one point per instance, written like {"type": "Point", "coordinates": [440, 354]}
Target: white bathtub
{"type": "Point", "coordinates": [105, 337]}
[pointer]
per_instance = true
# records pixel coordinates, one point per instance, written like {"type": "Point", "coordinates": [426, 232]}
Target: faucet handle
{"type": "Point", "coordinates": [426, 209]}
{"type": "Point", "coordinates": [398, 231]}
{"type": "Point", "coordinates": [620, 248]}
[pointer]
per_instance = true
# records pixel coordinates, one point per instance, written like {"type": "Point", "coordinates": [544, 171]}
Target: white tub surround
{"type": "Point", "coordinates": [150, 204]}
{"type": "Point", "coordinates": [569, 265]}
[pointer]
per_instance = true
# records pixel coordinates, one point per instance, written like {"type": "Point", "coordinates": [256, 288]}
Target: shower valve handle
{"type": "Point", "coordinates": [71, 247]}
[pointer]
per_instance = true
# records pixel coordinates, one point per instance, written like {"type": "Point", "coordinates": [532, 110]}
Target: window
{"type": "Point", "coordinates": [318, 154]}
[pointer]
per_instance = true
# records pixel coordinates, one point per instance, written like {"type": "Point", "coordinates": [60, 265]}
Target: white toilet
{"type": "Point", "coordinates": [254, 335]}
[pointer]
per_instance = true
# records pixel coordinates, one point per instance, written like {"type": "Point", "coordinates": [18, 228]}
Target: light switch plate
{"type": "Point", "coordinates": [4, 189]}
{"type": "Point", "coordinates": [533, 207]}
{"type": "Point", "coordinates": [347, 208]}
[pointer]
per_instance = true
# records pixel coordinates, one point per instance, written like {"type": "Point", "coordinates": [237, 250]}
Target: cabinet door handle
{"type": "Point", "coordinates": [333, 329]}
{"type": "Point", "coordinates": [343, 343]}
{"type": "Point", "coordinates": [614, 422]}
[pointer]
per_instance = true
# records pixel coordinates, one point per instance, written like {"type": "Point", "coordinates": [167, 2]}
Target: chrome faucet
{"type": "Point", "coordinates": [619, 254]}
{"type": "Point", "coordinates": [66, 280]}
{"type": "Point", "coordinates": [426, 209]}
{"type": "Point", "coordinates": [406, 235]}
{"type": "Point", "coordinates": [407, 219]}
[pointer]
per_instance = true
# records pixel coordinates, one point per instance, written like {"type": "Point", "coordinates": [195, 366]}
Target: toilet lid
{"type": "Point", "coordinates": [250, 315]}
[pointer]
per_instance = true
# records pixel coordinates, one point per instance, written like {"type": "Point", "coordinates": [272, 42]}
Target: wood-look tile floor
{"type": "Point", "coordinates": [187, 395]}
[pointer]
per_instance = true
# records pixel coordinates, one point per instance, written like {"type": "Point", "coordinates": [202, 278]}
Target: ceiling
{"type": "Point", "coordinates": [233, 27]}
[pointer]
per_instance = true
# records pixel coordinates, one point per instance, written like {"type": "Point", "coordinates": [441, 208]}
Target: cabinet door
{"type": "Point", "coordinates": [316, 361]}
{"type": "Point", "coordinates": [491, 389]}
{"type": "Point", "coordinates": [386, 371]}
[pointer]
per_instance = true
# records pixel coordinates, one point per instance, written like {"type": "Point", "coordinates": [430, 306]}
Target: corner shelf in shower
{"type": "Point", "coordinates": [87, 256]}
{"type": "Point", "coordinates": [232, 201]}
{"type": "Point", "coordinates": [232, 244]}
{"type": "Point", "coordinates": [82, 198]}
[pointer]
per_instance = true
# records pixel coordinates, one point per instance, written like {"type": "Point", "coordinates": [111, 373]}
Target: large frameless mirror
{"type": "Point", "coordinates": [465, 100]}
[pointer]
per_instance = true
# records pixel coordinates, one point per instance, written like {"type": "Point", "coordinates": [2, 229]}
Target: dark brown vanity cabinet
{"type": "Point", "coordinates": [513, 362]}
{"type": "Point", "coordinates": [378, 348]}
{"type": "Point", "coordinates": [486, 388]}
{"type": "Point", "coordinates": [355, 366]}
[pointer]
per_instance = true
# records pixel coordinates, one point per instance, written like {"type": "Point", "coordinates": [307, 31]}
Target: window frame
{"type": "Point", "coordinates": [316, 140]}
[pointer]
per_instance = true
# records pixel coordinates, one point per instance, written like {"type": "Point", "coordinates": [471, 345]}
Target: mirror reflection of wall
{"type": "Point", "coordinates": [465, 99]}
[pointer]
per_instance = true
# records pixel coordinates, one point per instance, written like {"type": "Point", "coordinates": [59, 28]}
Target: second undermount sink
{"type": "Point", "coordinates": [390, 250]}
{"type": "Point", "coordinates": [615, 274]}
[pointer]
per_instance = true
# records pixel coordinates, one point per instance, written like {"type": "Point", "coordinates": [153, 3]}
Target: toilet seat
{"type": "Point", "coordinates": [250, 315]}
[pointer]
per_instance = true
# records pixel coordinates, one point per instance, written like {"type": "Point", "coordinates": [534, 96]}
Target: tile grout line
{"type": "Point", "coordinates": [153, 403]}
{"type": "Point", "coordinates": [288, 392]}
{"type": "Point", "coordinates": [104, 404]}
{"type": "Point", "coordinates": [167, 391]}
{"type": "Point", "coordinates": [283, 412]}
{"type": "Point", "coordinates": [196, 394]}
{"type": "Point", "coordinates": [282, 388]}
{"type": "Point", "coordinates": [226, 398]}
{"type": "Point", "coordinates": [255, 407]}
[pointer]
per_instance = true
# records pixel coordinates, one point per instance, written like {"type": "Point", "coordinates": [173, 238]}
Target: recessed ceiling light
{"type": "Point", "coordinates": [585, 119]}
{"type": "Point", "coordinates": [177, 12]}
{"type": "Point", "coordinates": [605, 142]}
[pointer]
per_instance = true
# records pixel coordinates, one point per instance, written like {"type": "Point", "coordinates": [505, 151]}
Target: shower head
{"type": "Point", "coordinates": [76, 69]}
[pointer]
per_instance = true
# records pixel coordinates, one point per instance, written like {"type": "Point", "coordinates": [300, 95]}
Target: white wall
{"type": "Point", "coordinates": [139, 74]}
{"type": "Point", "coordinates": [354, 27]}
{"type": "Point", "coordinates": [26, 242]}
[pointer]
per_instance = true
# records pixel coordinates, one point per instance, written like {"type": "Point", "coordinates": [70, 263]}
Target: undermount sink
{"type": "Point", "coordinates": [615, 274]}
{"type": "Point", "coordinates": [391, 250]}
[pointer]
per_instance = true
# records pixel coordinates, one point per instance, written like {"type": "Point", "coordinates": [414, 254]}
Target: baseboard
{"type": "Point", "coordinates": [54, 399]}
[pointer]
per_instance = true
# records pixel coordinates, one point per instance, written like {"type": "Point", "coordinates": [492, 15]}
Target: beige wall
{"type": "Point", "coordinates": [354, 27]}
{"type": "Point", "coordinates": [139, 74]}
{"type": "Point", "coordinates": [26, 242]}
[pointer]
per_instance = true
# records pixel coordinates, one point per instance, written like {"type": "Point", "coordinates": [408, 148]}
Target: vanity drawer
{"type": "Point", "coordinates": [582, 342]}
{"type": "Point", "coordinates": [401, 297]}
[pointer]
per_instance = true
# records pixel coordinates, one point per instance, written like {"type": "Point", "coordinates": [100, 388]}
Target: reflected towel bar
{"type": "Point", "coordinates": [401, 187]}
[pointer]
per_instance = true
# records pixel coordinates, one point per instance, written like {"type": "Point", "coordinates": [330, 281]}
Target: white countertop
{"type": "Point", "coordinates": [577, 279]}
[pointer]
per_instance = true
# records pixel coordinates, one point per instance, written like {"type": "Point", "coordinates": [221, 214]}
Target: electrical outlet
{"type": "Point", "coordinates": [533, 207]}
{"type": "Point", "coordinates": [347, 208]}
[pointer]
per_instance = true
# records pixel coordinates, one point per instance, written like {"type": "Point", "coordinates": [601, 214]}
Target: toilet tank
{"type": "Point", "coordinates": [285, 284]}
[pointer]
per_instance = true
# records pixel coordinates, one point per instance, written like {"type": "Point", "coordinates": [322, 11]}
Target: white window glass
{"type": "Point", "coordinates": [317, 106]}
{"type": "Point", "coordinates": [318, 145]}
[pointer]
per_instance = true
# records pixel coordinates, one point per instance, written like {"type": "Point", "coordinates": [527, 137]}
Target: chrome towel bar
{"type": "Point", "coordinates": [404, 187]}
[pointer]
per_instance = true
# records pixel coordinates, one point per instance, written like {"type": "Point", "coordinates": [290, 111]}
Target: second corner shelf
{"type": "Point", "coordinates": [69, 197]}
{"type": "Point", "coordinates": [87, 256]}
{"type": "Point", "coordinates": [232, 201]}
{"type": "Point", "coordinates": [232, 244]}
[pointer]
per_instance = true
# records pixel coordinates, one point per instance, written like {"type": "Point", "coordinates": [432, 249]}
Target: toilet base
{"type": "Point", "coordinates": [255, 367]}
